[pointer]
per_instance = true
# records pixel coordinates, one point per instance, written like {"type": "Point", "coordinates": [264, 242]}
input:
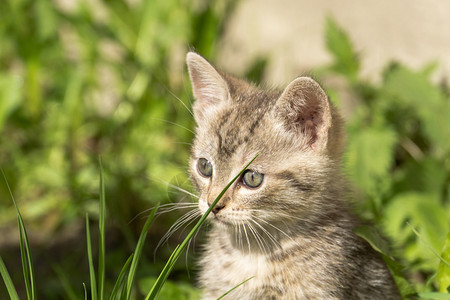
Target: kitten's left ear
{"type": "Point", "coordinates": [208, 85]}
{"type": "Point", "coordinates": [303, 108]}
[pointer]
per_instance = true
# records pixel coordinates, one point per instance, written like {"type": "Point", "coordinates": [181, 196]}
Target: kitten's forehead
{"type": "Point", "coordinates": [239, 122]}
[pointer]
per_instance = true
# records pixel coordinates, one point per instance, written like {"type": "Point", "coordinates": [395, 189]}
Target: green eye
{"type": "Point", "coordinates": [204, 167]}
{"type": "Point", "coordinates": [252, 179]}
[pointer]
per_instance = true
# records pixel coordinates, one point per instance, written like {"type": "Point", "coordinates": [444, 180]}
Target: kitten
{"type": "Point", "coordinates": [284, 222]}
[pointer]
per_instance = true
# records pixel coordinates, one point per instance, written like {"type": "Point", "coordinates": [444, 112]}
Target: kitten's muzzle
{"type": "Point", "coordinates": [220, 205]}
{"type": "Point", "coordinates": [217, 208]}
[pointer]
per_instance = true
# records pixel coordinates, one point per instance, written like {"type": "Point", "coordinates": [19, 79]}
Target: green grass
{"type": "Point", "coordinates": [178, 250]}
{"type": "Point", "coordinates": [8, 282]}
{"type": "Point", "coordinates": [125, 280]}
{"type": "Point", "coordinates": [96, 78]}
{"type": "Point", "coordinates": [25, 254]}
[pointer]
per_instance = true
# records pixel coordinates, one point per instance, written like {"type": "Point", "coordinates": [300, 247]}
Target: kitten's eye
{"type": "Point", "coordinates": [252, 179]}
{"type": "Point", "coordinates": [204, 167]}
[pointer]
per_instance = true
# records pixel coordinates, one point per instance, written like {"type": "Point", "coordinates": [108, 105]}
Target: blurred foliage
{"type": "Point", "coordinates": [89, 78]}
{"type": "Point", "coordinates": [82, 79]}
{"type": "Point", "coordinates": [398, 157]}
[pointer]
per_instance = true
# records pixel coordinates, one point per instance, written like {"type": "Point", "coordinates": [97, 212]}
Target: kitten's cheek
{"type": "Point", "coordinates": [202, 205]}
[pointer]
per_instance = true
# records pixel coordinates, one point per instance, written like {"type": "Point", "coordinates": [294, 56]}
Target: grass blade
{"type": "Point", "coordinates": [29, 259]}
{"type": "Point", "coordinates": [433, 295]}
{"type": "Point", "coordinates": [234, 288]}
{"type": "Point", "coordinates": [138, 251]}
{"type": "Point", "coordinates": [428, 245]}
{"type": "Point", "coordinates": [101, 227]}
{"type": "Point", "coordinates": [121, 278]}
{"type": "Point", "coordinates": [123, 294]}
{"type": "Point", "coordinates": [91, 263]}
{"type": "Point", "coordinates": [23, 257]}
{"type": "Point", "coordinates": [8, 282]}
{"type": "Point", "coordinates": [177, 252]}
{"type": "Point", "coordinates": [25, 251]}
{"type": "Point", "coordinates": [85, 292]}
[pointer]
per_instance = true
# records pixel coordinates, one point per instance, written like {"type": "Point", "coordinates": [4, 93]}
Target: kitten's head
{"type": "Point", "coordinates": [296, 132]}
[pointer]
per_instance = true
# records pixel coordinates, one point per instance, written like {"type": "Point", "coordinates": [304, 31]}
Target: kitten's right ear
{"type": "Point", "coordinates": [208, 86]}
{"type": "Point", "coordinates": [304, 109]}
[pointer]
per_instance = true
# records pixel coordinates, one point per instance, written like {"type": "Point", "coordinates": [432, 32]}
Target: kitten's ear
{"type": "Point", "coordinates": [303, 108]}
{"type": "Point", "coordinates": [208, 86]}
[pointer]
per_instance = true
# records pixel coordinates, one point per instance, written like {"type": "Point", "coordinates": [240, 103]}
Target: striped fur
{"type": "Point", "coordinates": [293, 233]}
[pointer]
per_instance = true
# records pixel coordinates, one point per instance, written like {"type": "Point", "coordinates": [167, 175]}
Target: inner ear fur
{"type": "Point", "coordinates": [304, 109]}
{"type": "Point", "coordinates": [208, 86]}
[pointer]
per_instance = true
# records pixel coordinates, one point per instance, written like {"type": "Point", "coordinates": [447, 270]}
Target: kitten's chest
{"type": "Point", "coordinates": [291, 272]}
{"type": "Point", "coordinates": [225, 270]}
{"type": "Point", "coordinates": [225, 267]}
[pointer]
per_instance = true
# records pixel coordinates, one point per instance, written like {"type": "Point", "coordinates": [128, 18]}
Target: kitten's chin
{"type": "Point", "coordinates": [220, 222]}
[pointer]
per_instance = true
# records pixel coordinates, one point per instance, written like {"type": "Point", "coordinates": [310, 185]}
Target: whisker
{"type": "Point", "coordinates": [269, 235]}
{"type": "Point", "coordinates": [192, 240]}
{"type": "Point", "coordinates": [187, 93]}
{"type": "Point", "coordinates": [183, 143]}
{"type": "Point", "coordinates": [266, 232]}
{"type": "Point", "coordinates": [182, 190]}
{"type": "Point", "coordinates": [238, 235]}
{"type": "Point", "coordinates": [173, 123]}
{"type": "Point", "coordinates": [246, 236]}
{"type": "Point", "coordinates": [257, 237]}
{"type": "Point", "coordinates": [281, 214]}
{"type": "Point", "coordinates": [179, 99]}
{"type": "Point", "coordinates": [196, 214]}
{"type": "Point", "coordinates": [184, 220]}
{"type": "Point", "coordinates": [176, 206]}
{"type": "Point", "coordinates": [275, 227]}
{"type": "Point", "coordinates": [140, 214]}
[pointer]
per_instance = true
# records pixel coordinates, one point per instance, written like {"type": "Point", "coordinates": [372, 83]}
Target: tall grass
{"type": "Point", "coordinates": [123, 286]}
{"type": "Point", "coordinates": [25, 255]}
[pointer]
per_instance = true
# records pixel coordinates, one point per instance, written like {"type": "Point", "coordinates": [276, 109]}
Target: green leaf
{"type": "Point", "coordinates": [414, 90]}
{"type": "Point", "coordinates": [120, 278]}
{"type": "Point", "coordinates": [138, 252]}
{"type": "Point", "coordinates": [432, 295]}
{"type": "Point", "coordinates": [10, 96]}
{"type": "Point", "coordinates": [25, 251]}
{"type": "Point", "coordinates": [425, 213]}
{"type": "Point", "coordinates": [338, 43]}
{"type": "Point", "coordinates": [171, 290]}
{"type": "Point", "coordinates": [370, 154]}
{"type": "Point", "coordinates": [101, 246]}
{"type": "Point", "coordinates": [396, 269]}
{"type": "Point", "coordinates": [234, 288]}
{"type": "Point", "coordinates": [91, 262]}
{"type": "Point", "coordinates": [373, 237]}
{"type": "Point", "coordinates": [23, 257]}
{"type": "Point", "coordinates": [426, 176]}
{"type": "Point", "coordinates": [47, 22]}
{"type": "Point", "coordinates": [443, 273]}
{"type": "Point", "coordinates": [8, 282]}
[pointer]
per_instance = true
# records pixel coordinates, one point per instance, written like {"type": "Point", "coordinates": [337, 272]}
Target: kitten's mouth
{"type": "Point", "coordinates": [219, 220]}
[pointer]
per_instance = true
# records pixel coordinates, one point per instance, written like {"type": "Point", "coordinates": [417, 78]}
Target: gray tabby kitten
{"type": "Point", "coordinates": [284, 222]}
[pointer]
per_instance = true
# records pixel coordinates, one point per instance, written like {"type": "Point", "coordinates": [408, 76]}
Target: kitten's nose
{"type": "Point", "coordinates": [221, 204]}
{"type": "Point", "coordinates": [218, 207]}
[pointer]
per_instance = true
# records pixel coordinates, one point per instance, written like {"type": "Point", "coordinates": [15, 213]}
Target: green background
{"type": "Point", "coordinates": [107, 78]}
